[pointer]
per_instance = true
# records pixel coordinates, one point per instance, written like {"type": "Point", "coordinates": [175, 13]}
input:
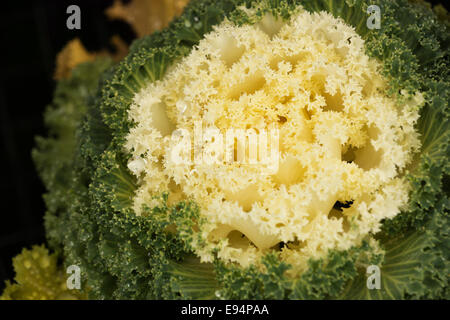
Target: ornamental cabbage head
{"type": "Point", "coordinates": [258, 150]}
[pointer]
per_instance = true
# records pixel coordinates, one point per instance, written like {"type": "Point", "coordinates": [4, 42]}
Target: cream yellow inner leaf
{"type": "Point", "coordinates": [341, 139]}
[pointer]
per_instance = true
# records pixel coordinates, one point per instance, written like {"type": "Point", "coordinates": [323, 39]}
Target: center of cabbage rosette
{"type": "Point", "coordinates": [305, 92]}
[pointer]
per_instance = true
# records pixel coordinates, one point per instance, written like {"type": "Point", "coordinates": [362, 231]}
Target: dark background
{"type": "Point", "coordinates": [31, 34]}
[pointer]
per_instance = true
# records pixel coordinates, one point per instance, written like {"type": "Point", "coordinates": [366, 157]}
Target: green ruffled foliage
{"type": "Point", "coordinates": [54, 155]}
{"type": "Point", "coordinates": [324, 279]}
{"type": "Point", "coordinates": [90, 221]}
{"type": "Point", "coordinates": [415, 266]}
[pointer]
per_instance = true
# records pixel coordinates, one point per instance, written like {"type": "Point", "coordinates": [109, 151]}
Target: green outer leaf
{"type": "Point", "coordinates": [54, 155]}
{"type": "Point", "coordinates": [410, 265]}
{"type": "Point", "coordinates": [193, 279]}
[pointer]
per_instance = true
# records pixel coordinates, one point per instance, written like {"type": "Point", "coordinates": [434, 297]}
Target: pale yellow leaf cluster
{"type": "Point", "coordinates": [146, 16]}
{"type": "Point", "coordinates": [69, 57]}
{"type": "Point", "coordinates": [341, 138]}
{"type": "Point", "coordinates": [38, 277]}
